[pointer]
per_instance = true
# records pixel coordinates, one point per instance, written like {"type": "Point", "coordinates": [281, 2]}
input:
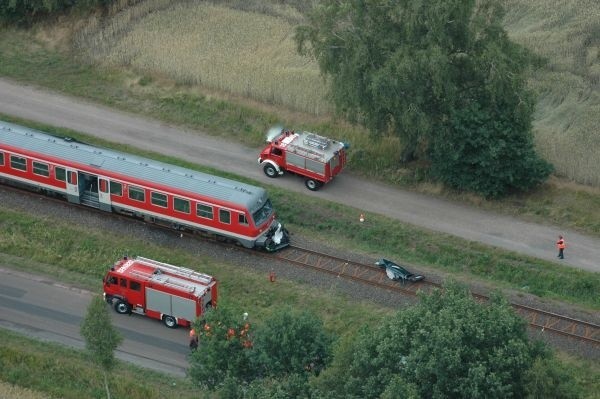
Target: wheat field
{"type": "Point", "coordinates": [253, 54]}
{"type": "Point", "coordinates": [567, 119]}
{"type": "Point", "coordinates": [245, 53]}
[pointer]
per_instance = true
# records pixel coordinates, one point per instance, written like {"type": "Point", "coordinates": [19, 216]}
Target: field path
{"type": "Point", "coordinates": [435, 214]}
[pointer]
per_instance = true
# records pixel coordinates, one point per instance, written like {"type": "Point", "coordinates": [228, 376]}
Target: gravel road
{"type": "Point", "coordinates": [421, 210]}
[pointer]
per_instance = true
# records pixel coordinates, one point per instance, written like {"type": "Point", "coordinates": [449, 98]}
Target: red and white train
{"type": "Point", "coordinates": [157, 192]}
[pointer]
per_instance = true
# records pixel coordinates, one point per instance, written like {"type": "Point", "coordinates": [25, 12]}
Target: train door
{"type": "Point", "coordinates": [88, 190]}
{"type": "Point", "coordinates": [72, 186]}
{"type": "Point", "coordinates": [104, 194]}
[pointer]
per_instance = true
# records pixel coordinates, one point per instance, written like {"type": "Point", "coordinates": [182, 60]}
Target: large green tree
{"type": "Point", "coordinates": [291, 342]}
{"type": "Point", "coordinates": [411, 67]}
{"type": "Point", "coordinates": [233, 353]}
{"type": "Point", "coordinates": [101, 337]}
{"type": "Point", "coordinates": [448, 345]}
{"type": "Point", "coordinates": [223, 352]}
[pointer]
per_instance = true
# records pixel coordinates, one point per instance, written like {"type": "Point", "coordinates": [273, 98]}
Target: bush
{"type": "Point", "coordinates": [487, 153]}
{"type": "Point", "coordinates": [25, 12]}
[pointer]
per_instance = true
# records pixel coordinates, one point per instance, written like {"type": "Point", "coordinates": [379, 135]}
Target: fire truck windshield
{"type": "Point", "coordinates": [261, 215]}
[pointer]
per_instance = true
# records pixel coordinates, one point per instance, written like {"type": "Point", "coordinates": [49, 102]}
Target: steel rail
{"type": "Point", "coordinates": [368, 274]}
{"type": "Point", "coordinates": [537, 318]}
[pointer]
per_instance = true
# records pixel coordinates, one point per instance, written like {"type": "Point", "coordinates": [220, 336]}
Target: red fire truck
{"type": "Point", "coordinates": [318, 159]}
{"type": "Point", "coordinates": [176, 295]}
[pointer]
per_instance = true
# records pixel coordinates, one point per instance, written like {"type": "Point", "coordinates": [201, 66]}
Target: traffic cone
{"type": "Point", "coordinates": [272, 276]}
{"type": "Point", "coordinates": [362, 217]}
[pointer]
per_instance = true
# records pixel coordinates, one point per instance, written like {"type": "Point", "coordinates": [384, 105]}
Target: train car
{"type": "Point", "coordinates": [160, 193]}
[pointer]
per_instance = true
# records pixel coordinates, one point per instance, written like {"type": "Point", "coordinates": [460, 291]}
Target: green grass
{"type": "Point", "coordinates": [60, 372]}
{"type": "Point", "coordinates": [259, 61]}
{"type": "Point", "coordinates": [326, 220]}
{"type": "Point", "coordinates": [82, 255]}
{"type": "Point", "coordinates": [565, 33]}
{"type": "Point", "coordinates": [26, 58]}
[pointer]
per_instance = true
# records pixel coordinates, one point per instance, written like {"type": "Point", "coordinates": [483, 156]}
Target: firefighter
{"type": "Point", "coordinates": [193, 340]}
{"type": "Point", "coordinates": [560, 244]}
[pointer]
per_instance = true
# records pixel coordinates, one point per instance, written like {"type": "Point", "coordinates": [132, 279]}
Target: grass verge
{"type": "Point", "coordinates": [67, 373]}
{"type": "Point", "coordinates": [324, 220]}
{"type": "Point", "coordinates": [28, 58]}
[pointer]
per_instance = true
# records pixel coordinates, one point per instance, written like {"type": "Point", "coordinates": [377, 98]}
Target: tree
{"type": "Point", "coordinates": [548, 378]}
{"type": "Point", "coordinates": [446, 346]}
{"type": "Point", "coordinates": [291, 342]}
{"type": "Point", "coordinates": [101, 338]}
{"type": "Point", "coordinates": [484, 152]}
{"type": "Point", "coordinates": [233, 355]}
{"type": "Point", "coordinates": [28, 11]}
{"type": "Point", "coordinates": [223, 349]}
{"type": "Point", "coordinates": [410, 67]}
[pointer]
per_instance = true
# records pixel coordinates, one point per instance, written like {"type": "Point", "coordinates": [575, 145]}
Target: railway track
{"type": "Point", "coordinates": [542, 320]}
{"type": "Point", "coordinates": [368, 274]}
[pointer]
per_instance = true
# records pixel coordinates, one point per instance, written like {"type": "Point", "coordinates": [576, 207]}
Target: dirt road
{"type": "Point", "coordinates": [367, 196]}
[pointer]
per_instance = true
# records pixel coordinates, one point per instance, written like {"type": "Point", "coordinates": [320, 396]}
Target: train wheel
{"type": "Point", "coordinates": [270, 170]}
{"type": "Point", "coordinates": [312, 184]}
{"type": "Point", "coordinates": [122, 307]}
{"type": "Point", "coordinates": [170, 321]}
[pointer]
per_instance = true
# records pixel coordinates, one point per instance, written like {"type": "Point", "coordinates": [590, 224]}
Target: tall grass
{"type": "Point", "coordinates": [567, 34]}
{"type": "Point", "coordinates": [246, 48]}
{"type": "Point", "coordinates": [79, 248]}
{"type": "Point", "coordinates": [10, 391]}
{"type": "Point", "coordinates": [246, 53]}
{"type": "Point", "coordinates": [42, 367]}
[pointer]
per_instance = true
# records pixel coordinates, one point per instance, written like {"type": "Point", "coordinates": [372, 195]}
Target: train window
{"type": "Point", "coordinates": [103, 186]}
{"type": "Point", "coordinates": [242, 219]}
{"type": "Point", "coordinates": [204, 211]}
{"type": "Point", "coordinates": [18, 162]}
{"type": "Point", "coordinates": [123, 283]}
{"type": "Point", "coordinates": [1, 158]}
{"type": "Point", "coordinates": [116, 188]}
{"type": "Point", "coordinates": [224, 216]}
{"type": "Point", "coordinates": [60, 173]}
{"type": "Point", "coordinates": [181, 205]}
{"type": "Point", "coordinates": [137, 193]}
{"type": "Point", "coordinates": [72, 177]}
{"type": "Point", "coordinates": [158, 199]}
{"type": "Point", "coordinates": [134, 285]}
{"type": "Point", "coordinates": [40, 169]}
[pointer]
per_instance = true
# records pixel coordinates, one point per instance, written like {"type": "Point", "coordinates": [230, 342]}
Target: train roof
{"type": "Point", "coordinates": [102, 159]}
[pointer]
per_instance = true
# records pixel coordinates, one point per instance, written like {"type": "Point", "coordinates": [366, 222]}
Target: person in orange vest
{"type": "Point", "coordinates": [560, 244]}
{"type": "Point", "coordinates": [193, 340]}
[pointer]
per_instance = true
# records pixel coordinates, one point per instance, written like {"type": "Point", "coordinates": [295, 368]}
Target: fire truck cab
{"type": "Point", "coordinates": [318, 159]}
{"type": "Point", "coordinates": [173, 294]}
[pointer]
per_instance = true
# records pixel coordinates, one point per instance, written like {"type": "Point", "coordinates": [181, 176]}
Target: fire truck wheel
{"type": "Point", "coordinates": [270, 170]}
{"type": "Point", "coordinates": [312, 185]}
{"type": "Point", "coordinates": [170, 321]}
{"type": "Point", "coordinates": [122, 307]}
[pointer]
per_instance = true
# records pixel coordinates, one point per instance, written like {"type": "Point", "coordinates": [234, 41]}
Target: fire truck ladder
{"type": "Point", "coordinates": [164, 279]}
{"type": "Point", "coordinates": [178, 271]}
{"type": "Point", "coordinates": [314, 140]}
